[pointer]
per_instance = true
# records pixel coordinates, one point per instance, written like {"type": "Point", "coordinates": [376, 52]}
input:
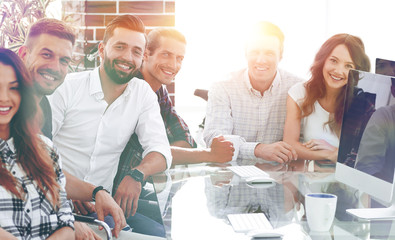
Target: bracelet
{"type": "Point", "coordinates": [96, 190]}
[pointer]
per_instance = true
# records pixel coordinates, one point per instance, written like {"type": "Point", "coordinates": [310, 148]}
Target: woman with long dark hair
{"type": "Point", "coordinates": [33, 202]}
{"type": "Point", "coordinates": [315, 108]}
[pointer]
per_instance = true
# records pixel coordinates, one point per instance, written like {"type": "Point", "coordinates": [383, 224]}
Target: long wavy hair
{"type": "Point", "coordinates": [315, 87]}
{"type": "Point", "coordinates": [31, 151]}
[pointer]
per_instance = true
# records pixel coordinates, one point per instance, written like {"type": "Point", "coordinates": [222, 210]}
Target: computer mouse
{"type": "Point", "coordinates": [260, 181]}
{"type": "Point", "coordinates": [259, 234]}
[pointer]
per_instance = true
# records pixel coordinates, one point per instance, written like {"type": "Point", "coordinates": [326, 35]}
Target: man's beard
{"type": "Point", "coordinates": [116, 76]}
{"type": "Point", "coordinates": [42, 89]}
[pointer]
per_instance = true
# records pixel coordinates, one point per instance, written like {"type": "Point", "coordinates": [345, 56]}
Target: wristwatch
{"type": "Point", "coordinates": [96, 190]}
{"type": "Point", "coordinates": [136, 175]}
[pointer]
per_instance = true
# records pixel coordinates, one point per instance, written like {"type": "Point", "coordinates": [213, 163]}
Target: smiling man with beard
{"type": "Point", "coordinates": [162, 61]}
{"type": "Point", "coordinates": [47, 53]}
{"type": "Point", "coordinates": [95, 113]}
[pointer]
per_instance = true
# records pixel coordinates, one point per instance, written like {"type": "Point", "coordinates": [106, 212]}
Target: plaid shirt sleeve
{"type": "Point", "coordinates": [64, 214]}
{"type": "Point", "coordinates": [176, 128]}
{"type": "Point", "coordinates": [130, 157]}
{"type": "Point", "coordinates": [32, 217]}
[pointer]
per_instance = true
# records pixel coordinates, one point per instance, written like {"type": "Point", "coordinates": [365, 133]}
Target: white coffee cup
{"type": "Point", "coordinates": [320, 211]}
{"type": "Point", "coordinates": [236, 141]}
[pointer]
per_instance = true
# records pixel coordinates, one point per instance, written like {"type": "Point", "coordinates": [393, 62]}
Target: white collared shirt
{"type": "Point", "coordinates": [235, 107]}
{"type": "Point", "coordinates": [91, 135]}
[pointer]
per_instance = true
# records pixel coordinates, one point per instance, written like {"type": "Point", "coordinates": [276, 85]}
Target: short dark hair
{"type": "Point", "coordinates": [266, 28]}
{"type": "Point", "coordinates": [124, 21]}
{"type": "Point", "coordinates": [52, 27]}
{"type": "Point", "coordinates": [154, 36]}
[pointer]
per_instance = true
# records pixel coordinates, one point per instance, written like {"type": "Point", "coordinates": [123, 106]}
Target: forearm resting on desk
{"type": "Point", "coordinates": [308, 153]}
{"type": "Point", "coordinates": [221, 151]}
{"type": "Point", "coordinates": [280, 152]}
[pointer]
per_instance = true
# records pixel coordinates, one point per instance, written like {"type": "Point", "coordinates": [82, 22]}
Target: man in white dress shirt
{"type": "Point", "coordinates": [95, 113]}
{"type": "Point", "coordinates": [251, 102]}
{"type": "Point", "coordinates": [47, 52]}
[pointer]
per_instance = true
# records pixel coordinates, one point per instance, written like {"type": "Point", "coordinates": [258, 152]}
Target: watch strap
{"type": "Point", "coordinates": [97, 189]}
{"type": "Point", "coordinates": [136, 175]}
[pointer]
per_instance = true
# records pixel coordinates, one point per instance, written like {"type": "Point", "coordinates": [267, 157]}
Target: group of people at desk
{"type": "Point", "coordinates": [111, 133]}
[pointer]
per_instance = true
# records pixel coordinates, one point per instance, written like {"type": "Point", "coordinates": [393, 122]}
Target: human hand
{"type": "Point", "coordinates": [83, 208]}
{"type": "Point", "coordinates": [319, 144]}
{"type": "Point", "coordinates": [127, 195]}
{"type": "Point", "coordinates": [221, 150]}
{"type": "Point", "coordinates": [106, 205]}
{"type": "Point", "coordinates": [84, 232]}
{"type": "Point", "coordinates": [280, 152]}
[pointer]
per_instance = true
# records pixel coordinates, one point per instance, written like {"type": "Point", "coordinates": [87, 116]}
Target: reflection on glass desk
{"type": "Point", "coordinates": [195, 200]}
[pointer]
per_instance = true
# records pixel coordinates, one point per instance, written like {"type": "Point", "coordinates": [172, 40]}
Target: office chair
{"type": "Point", "coordinates": [94, 221]}
{"type": "Point", "coordinates": [203, 93]}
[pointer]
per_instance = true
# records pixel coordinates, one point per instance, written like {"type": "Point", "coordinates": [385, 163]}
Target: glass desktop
{"type": "Point", "coordinates": [195, 199]}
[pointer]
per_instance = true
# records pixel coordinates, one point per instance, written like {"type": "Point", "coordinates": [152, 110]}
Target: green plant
{"type": "Point", "coordinates": [17, 15]}
{"type": "Point", "coordinates": [15, 18]}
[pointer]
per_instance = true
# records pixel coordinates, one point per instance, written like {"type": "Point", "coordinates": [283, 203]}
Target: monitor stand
{"type": "Point", "coordinates": [374, 213]}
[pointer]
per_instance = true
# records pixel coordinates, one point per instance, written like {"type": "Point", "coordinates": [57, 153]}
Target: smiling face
{"type": "Point", "coordinates": [263, 56]}
{"type": "Point", "coordinates": [162, 65]}
{"type": "Point", "coordinates": [10, 97]}
{"type": "Point", "coordinates": [337, 66]}
{"type": "Point", "coordinates": [47, 58]}
{"type": "Point", "coordinates": [122, 55]}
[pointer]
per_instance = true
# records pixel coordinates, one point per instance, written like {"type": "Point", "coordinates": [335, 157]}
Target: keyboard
{"type": "Point", "coordinates": [247, 171]}
{"type": "Point", "coordinates": [246, 222]}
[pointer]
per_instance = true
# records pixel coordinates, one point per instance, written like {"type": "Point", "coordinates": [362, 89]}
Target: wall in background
{"type": "Point", "coordinates": [91, 17]}
{"type": "Point", "coordinates": [215, 33]}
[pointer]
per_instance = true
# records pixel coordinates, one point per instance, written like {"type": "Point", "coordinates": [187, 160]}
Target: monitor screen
{"type": "Point", "coordinates": [367, 143]}
{"type": "Point", "coordinates": [385, 67]}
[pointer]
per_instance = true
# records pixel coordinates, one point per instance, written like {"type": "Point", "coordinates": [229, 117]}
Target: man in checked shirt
{"type": "Point", "coordinates": [162, 60]}
{"type": "Point", "coordinates": [251, 102]}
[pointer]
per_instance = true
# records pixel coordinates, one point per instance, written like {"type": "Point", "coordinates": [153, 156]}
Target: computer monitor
{"type": "Point", "coordinates": [385, 67]}
{"type": "Point", "coordinates": [366, 156]}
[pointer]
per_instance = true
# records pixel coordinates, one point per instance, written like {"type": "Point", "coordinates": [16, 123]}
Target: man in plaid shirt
{"type": "Point", "coordinates": [162, 60]}
{"type": "Point", "coordinates": [251, 102]}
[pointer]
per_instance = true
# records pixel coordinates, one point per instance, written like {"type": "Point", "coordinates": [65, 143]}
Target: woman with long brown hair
{"type": "Point", "coordinates": [315, 108]}
{"type": "Point", "coordinates": [33, 202]}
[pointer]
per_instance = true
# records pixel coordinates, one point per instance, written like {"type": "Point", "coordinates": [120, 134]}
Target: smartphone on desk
{"type": "Point", "coordinates": [325, 163]}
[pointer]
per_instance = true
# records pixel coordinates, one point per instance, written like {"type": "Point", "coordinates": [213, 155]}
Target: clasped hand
{"type": "Point", "coordinates": [280, 152]}
{"type": "Point", "coordinates": [320, 144]}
